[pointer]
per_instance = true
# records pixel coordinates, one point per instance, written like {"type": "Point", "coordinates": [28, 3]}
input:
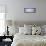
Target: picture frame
{"type": "Point", "coordinates": [29, 10]}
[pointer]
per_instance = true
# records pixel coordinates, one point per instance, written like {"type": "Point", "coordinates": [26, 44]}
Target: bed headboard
{"type": "Point", "coordinates": [21, 23]}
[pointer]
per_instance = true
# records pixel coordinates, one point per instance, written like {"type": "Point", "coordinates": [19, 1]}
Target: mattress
{"type": "Point", "coordinates": [28, 40]}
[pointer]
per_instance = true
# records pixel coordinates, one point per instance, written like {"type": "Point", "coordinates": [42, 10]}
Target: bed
{"type": "Point", "coordinates": [29, 40]}
{"type": "Point", "coordinates": [24, 38]}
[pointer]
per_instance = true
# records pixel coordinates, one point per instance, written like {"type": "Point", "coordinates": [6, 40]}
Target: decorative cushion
{"type": "Point", "coordinates": [36, 30]}
{"type": "Point", "coordinates": [33, 30]}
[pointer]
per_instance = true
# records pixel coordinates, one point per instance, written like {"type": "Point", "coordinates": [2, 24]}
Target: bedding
{"type": "Point", "coordinates": [28, 40]}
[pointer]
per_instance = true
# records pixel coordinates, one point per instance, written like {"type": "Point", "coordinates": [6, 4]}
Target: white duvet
{"type": "Point", "coordinates": [29, 40]}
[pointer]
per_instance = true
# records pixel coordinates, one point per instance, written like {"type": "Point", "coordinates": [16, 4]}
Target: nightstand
{"type": "Point", "coordinates": [5, 42]}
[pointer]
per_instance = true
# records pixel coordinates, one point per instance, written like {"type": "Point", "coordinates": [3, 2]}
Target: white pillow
{"type": "Point", "coordinates": [44, 27]}
{"type": "Point", "coordinates": [24, 30]}
{"type": "Point", "coordinates": [36, 30]}
{"type": "Point", "coordinates": [21, 30]}
{"type": "Point", "coordinates": [42, 30]}
{"type": "Point", "coordinates": [28, 31]}
{"type": "Point", "coordinates": [28, 26]}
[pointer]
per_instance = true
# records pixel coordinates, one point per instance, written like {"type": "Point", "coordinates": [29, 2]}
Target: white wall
{"type": "Point", "coordinates": [15, 10]}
